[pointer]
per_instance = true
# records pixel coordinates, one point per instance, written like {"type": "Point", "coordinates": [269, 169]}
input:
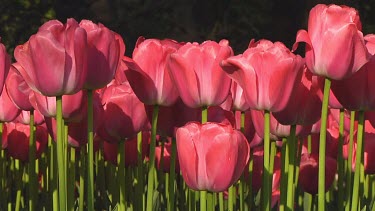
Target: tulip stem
{"type": "Point", "coordinates": [90, 151]}
{"type": "Point", "coordinates": [53, 173]}
{"type": "Point", "coordinates": [250, 180]}
{"type": "Point", "coordinates": [230, 198]}
{"type": "Point", "coordinates": [341, 175]}
{"type": "Point", "coordinates": [18, 173]}
{"type": "Point", "coordinates": [350, 159]}
{"type": "Point", "coordinates": [121, 175]}
{"type": "Point", "coordinates": [242, 178]}
{"type": "Point", "coordinates": [358, 161]}
{"type": "Point", "coordinates": [60, 154]}
{"type": "Point", "coordinates": [284, 173]}
{"type": "Point", "coordinates": [172, 173]}
{"type": "Point", "coordinates": [71, 178]}
{"type": "Point", "coordinates": [82, 171]}
{"type": "Point", "coordinates": [32, 170]}
{"type": "Point", "coordinates": [266, 164]}
{"type": "Point", "coordinates": [203, 200]}
{"type": "Point", "coordinates": [221, 201]}
{"type": "Point", "coordinates": [292, 158]}
{"type": "Point", "coordinates": [140, 177]}
{"type": "Point", "coordinates": [322, 146]}
{"type": "Point", "coordinates": [151, 169]}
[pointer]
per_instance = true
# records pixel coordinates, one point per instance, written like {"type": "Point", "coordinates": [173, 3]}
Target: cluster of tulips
{"type": "Point", "coordinates": [189, 126]}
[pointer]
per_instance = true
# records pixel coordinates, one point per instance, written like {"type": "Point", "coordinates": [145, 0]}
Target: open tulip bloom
{"type": "Point", "coordinates": [187, 125]}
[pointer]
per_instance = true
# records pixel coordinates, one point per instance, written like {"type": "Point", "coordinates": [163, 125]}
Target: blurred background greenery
{"type": "Point", "coordinates": [239, 21]}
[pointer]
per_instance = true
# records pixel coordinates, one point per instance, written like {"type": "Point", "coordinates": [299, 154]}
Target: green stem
{"type": "Point", "coordinates": [272, 162]}
{"type": "Point", "coordinates": [359, 151]}
{"type": "Point", "coordinates": [121, 176]}
{"type": "Point", "coordinates": [308, 201]}
{"type": "Point", "coordinates": [71, 178]}
{"type": "Point", "coordinates": [350, 159]}
{"type": "Point", "coordinates": [90, 151]}
{"type": "Point", "coordinates": [292, 155]}
{"type": "Point", "coordinates": [221, 201]}
{"type": "Point", "coordinates": [32, 173]}
{"type": "Point", "coordinates": [150, 179]}
{"type": "Point", "coordinates": [53, 174]}
{"type": "Point", "coordinates": [60, 155]}
{"type": "Point", "coordinates": [82, 175]}
{"type": "Point", "coordinates": [322, 146]}
{"type": "Point", "coordinates": [172, 173]}
{"type": "Point", "coordinates": [298, 162]}
{"type": "Point", "coordinates": [210, 201]}
{"type": "Point", "coordinates": [266, 195]}
{"type": "Point", "coordinates": [18, 169]}
{"type": "Point", "coordinates": [231, 198]}
{"type": "Point", "coordinates": [250, 180]}
{"type": "Point", "coordinates": [341, 175]}
{"type": "Point", "coordinates": [140, 186]}
{"type": "Point", "coordinates": [241, 184]}
{"type": "Point", "coordinates": [203, 200]}
{"type": "Point", "coordinates": [284, 174]}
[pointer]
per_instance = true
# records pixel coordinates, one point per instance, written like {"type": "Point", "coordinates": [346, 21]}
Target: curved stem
{"type": "Point", "coordinates": [151, 169]}
{"type": "Point", "coordinates": [32, 160]}
{"type": "Point", "coordinates": [60, 154]}
{"type": "Point", "coordinates": [90, 151]}
{"type": "Point", "coordinates": [358, 161]}
{"type": "Point", "coordinates": [266, 195]}
{"type": "Point", "coordinates": [322, 146]}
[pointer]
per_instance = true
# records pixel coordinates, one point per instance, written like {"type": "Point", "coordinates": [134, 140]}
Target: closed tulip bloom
{"type": "Point", "coordinates": [16, 140]}
{"type": "Point", "coordinates": [267, 72]}
{"type": "Point", "coordinates": [8, 111]}
{"type": "Point", "coordinates": [18, 89]}
{"type": "Point", "coordinates": [196, 72]}
{"type": "Point", "coordinates": [72, 105]}
{"type": "Point", "coordinates": [203, 151]}
{"type": "Point", "coordinates": [147, 73]}
{"type": "Point", "coordinates": [24, 118]}
{"type": "Point", "coordinates": [4, 65]}
{"type": "Point", "coordinates": [308, 172]}
{"type": "Point", "coordinates": [124, 114]}
{"type": "Point", "coordinates": [54, 60]}
{"type": "Point", "coordinates": [334, 42]}
{"type": "Point", "coordinates": [103, 54]}
{"type": "Point", "coordinates": [358, 91]}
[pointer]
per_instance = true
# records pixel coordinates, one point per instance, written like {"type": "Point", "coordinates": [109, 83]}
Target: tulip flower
{"type": "Point", "coordinates": [18, 89]}
{"type": "Point", "coordinates": [238, 96]}
{"type": "Point", "coordinates": [24, 117]}
{"type": "Point", "coordinates": [124, 114]}
{"type": "Point", "coordinates": [16, 140]}
{"type": "Point", "coordinates": [308, 173]}
{"type": "Point", "coordinates": [57, 52]}
{"type": "Point", "coordinates": [4, 65]}
{"type": "Point", "coordinates": [335, 46]}
{"type": "Point", "coordinates": [166, 158]}
{"type": "Point", "coordinates": [8, 111]}
{"type": "Point", "coordinates": [147, 71]}
{"type": "Point", "coordinates": [203, 150]}
{"type": "Point", "coordinates": [196, 73]}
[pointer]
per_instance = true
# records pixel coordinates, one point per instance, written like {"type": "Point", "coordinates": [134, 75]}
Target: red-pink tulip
{"type": "Point", "coordinates": [308, 173]}
{"type": "Point", "coordinates": [167, 153]}
{"type": "Point", "coordinates": [72, 105]}
{"type": "Point", "coordinates": [267, 72]}
{"type": "Point", "coordinates": [8, 111]}
{"type": "Point", "coordinates": [24, 117]}
{"type": "Point", "coordinates": [334, 43]}
{"type": "Point", "coordinates": [197, 75]}
{"type": "Point", "coordinates": [103, 54]}
{"type": "Point", "coordinates": [54, 60]}
{"type": "Point", "coordinates": [16, 140]}
{"type": "Point", "coordinates": [18, 89]}
{"type": "Point", "coordinates": [357, 92]}
{"type": "Point", "coordinates": [203, 150]}
{"type": "Point", "coordinates": [4, 65]}
{"type": "Point", "coordinates": [147, 73]}
{"type": "Point", "coordinates": [124, 114]}
{"type": "Point", "coordinates": [239, 99]}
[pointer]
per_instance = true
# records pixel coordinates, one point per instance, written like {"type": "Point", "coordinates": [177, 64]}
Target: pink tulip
{"type": "Point", "coordinates": [8, 111]}
{"type": "Point", "coordinates": [16, 140]}
{"type": "Point", "coordinates": [24, 118]}
{"type": "Point", "coordinates": [267, 72]}
{"type": "Point", "coordinates": [147, 73]}
{"type": "Point", "coordinates": [18, 89]}
{"type": "Point", "coordinates": [358, 91]}
{"type": "Point", "coordinates": [308, 173]}
{"type": "Point", "coordinates": [239, 99]}
{"type": "Point", "coordinates": [54, 60]}
{"type": "Point", "coordinates": [334, 43]}
{"type": "Point", "coordinates": [197, 75]}
{"type": "Point", "coordinates": [304, 107]}
{"type": "Point", "coordinates": [203, 151]}
{"type": "Point", "coordinates": [103, 54]}
{"type": "Point", "coordinates": [4, 65]}
{"type": "Point", "coordinates": [167, 153]}
{"type": "Point", "coordinates": [124, 114]}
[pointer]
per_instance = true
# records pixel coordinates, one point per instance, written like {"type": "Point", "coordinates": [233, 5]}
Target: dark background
{"type": "Point", "coordinates": [239, 21]}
